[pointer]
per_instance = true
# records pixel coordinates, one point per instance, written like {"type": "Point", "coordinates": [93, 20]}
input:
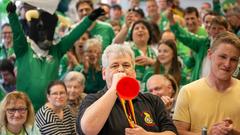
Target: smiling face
{"type": "Point", "coordinates": [192, 22]}
{"type": "Point", "coordinates": [7, 35]}
{"type": "Point", "coordinates": [57, 96]}
{"type": "Point", "coordinates": [16, 113]}
{"type": "Point", "coordinates": [224, 61]}
{"type": "Point", "coordinates": [165, 54]}
{"type": "Point", "coordinates": [216, 29]}
{"type": "Point", "coordinates": [94, 53]}
{"type": "Point", "coordinates": [74, 89]}
{"type": "Point", "coordinates": [140, 33]}
{"type": "Point", "coordinates": [83, 10]}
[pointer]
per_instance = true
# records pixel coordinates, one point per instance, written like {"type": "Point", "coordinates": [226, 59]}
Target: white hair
{"type": "Point", "coordinates": [119, 50]}
{"type": "Point", "coordinates": [75, 76]}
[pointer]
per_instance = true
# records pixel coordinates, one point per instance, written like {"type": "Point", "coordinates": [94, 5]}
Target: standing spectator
{"type": "Point", "coordinates": [75, 83]}
{"type": "Point", "coordinates": [17, 115]}
{"type": "Point", "coordinates": [98, 29]}
{"type": "Point", "coordinates": [133, 15]}
{"type": "Point", "coordinates": [106, 8]}
{"type": "Point", "coordinates": [205, 7]}
{"type": "Point", "coordinates": [140, 39]}
{"type": "Point", "coordinates": [116, 26]}
{"type": "Point", "coordinates": [6, 50]}
{"type": "Point", "coordinates": [116, 14]}
{"type": "Point", "coordinates": [198, 44]}
{"type": "Point", "coordinates": [8, 75]}
{"type": "Point", "coordinates": [217, 95]}
{"type": "Point", "coordinates": [92, 68]}
{"type": "Point", "coordinates": [134, 3]}
{"type": "Point", "coordinates": [55, 117]}
{"type": "Point", "coordinates": [102, 113]}
{"type": "Point", "coordinates": [73, 60]}
{"type": "Point", "coordinates": [233, 17]}
{"type": "Point", "coordinates": [192, 21]}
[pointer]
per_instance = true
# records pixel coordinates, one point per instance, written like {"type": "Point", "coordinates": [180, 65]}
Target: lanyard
{"type": "Point", "coordinates": [129, 111]}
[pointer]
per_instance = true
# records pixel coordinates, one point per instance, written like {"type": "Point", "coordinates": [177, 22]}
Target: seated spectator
{"type": "Point", "coordinates": [75, 83]}
{"type": "Point", "coordinates": [55, 117]}
{"type": "Point", "coordinates": [8, 76]}
{"type": "Point", "coordinates": [213, 101]}
{"type": "Point", "coordinates": [92, 66]}
{"type": "Point", "coordinates": [165, 87]}
{"type": "Point", "coordinates": [17, 115]}
{"type": "Point", "coordinates": [102, 113]}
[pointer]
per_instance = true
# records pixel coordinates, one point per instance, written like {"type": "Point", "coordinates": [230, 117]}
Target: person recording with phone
{"type": "Point", "coordinates": [102, 113]}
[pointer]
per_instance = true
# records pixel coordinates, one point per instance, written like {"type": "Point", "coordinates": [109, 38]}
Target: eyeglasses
{"type": "Point", "coordinates": [5, 33]}
{"type": "Point", "coordinates": [58, 93]}
{"type": "Point", "coordinates": [19, 110]}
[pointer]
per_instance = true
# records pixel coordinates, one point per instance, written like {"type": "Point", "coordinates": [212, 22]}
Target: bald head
{"type": "Point", "coordinates": [160, 85]}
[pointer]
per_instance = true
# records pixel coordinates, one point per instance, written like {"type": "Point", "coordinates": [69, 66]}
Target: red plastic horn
{"type": "Point", "coordinates": [128, 88]}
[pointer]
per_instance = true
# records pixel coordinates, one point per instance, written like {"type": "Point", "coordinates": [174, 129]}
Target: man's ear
{"type": "Point", "coordinates": [104, 73]}
{"type": "Point", "coordinates": [209, 53]}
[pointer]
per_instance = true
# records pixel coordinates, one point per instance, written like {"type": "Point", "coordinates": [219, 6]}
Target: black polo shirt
{"type": "Point", "coordinates": [149, 111]}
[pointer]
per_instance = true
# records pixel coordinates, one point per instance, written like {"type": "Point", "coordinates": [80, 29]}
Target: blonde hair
{"type": "Point", "coordinates": [227, 38]}
{"type": "Point", "coordinates": [13, 96]}
{"type": "Point", "coordinates": [93, 42]}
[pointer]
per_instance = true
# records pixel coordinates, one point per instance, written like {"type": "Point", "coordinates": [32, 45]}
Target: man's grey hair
{"type": "Point", "coordinates": [75, 76]}
{"type": "Point", "coordinates": [119, 50]}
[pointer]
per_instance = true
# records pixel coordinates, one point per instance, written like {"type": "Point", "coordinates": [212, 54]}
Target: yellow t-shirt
{"type": "Point", "coordinates": [201, 106]}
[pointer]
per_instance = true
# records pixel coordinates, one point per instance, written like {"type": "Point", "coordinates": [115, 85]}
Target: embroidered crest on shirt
{"type": "Point", "coordinates": [147, 118]}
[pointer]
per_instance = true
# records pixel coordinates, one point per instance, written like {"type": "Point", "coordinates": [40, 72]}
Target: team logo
{"type": "Point", "coordinates": [148, 118]}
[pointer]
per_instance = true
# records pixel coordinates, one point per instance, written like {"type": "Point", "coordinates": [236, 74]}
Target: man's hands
{"type": "Point", "coordinates": [11, 7]}
{"type": "Point", "coordinates": [224, 127]}
{"type": "Point", "coordinates": [137, 130]}
{"type": "Point", "coordinates": [96, 13]}
{"type": "Point", "coordinates": [168, 102]}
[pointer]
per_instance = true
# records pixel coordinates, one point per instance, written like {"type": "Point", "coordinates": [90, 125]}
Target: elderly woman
{"type": "Point", "coordinates": [17, 115]}
{"type": "Point", "coordinates": [92, 66]}
{"type": "Point", "coordinates": [55, 117]}
{"type": "Point", "coordinates": [75, 82]}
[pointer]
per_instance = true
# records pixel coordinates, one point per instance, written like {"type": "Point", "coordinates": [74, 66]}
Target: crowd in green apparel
{"type": "Point", "coordinates": [191, 62]}
{"type": "Point", "coordinates": [180, 50]}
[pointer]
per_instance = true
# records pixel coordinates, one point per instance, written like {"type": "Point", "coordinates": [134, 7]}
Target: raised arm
{"type": "Point", "coordinates": [122, 35]}
{"type": "Point", "coordinates": [20, 44]}
{"type": "Point", "coordinates": [187, 38]}
{"type": "Point", "coordinates": [67, 41]}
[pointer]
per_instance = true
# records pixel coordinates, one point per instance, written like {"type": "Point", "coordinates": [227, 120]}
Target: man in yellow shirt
{"type": "Point", "coordinates": [213, 101]}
